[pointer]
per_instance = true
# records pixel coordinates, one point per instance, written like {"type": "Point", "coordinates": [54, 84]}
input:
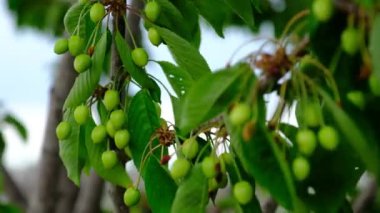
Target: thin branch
{"type": "Point", "coordinates": [90, 194]}
{"type": "Point", "coordinates": [366, 197]}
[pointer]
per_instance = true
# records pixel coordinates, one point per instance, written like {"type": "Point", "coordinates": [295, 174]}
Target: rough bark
{"type": "Point", "coordinates": [269, 206]}
{"type": "Point", "coordinates": [90, 195]}
{"type": "Point", "coordinates": [50, 165]}
{"type": "Point", "coordinates": [12, 190]}
{"type": "Point", "coordinates": [67, 193]}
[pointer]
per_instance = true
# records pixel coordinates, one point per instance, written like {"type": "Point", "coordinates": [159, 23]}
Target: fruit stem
{"type": "Point", "coordinates": [291, 22]}
{"type": "Point", "coordinates": [129, 31]}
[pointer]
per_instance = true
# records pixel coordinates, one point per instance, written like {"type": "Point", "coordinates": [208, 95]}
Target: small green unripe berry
{"type": "Point", "coordinates": [301, 168]}
{"type": "Point", "coordinates": [140, 57]}
{"type": "Point", "coordinates": [97, 12]}
{"type": "Point", "coordinates": [243, 192]}
{"type": "Point", "coordinates": [109, 159]}
{"type": "Point", "coordinates": [98, 134]}
{"type": "Point", "coordinates": [61, 46]}
{"type": "Point", "coordinates": [374, 85]}
{"type": "Point", "coordinates": [117, 118]}
{"type": "Point", "coordinates": [131, 196]}
{"type": "Point", "coordinates": [154, 36]}
{"type": "Point", "coordinates": [212, 184]}
{"type": "Point", "coordinates": [110, 129]}
{"type": "Point", "coordinates": [152, 10]}
{"type": "Point", "coordinates": [81, 113]}
{"type": "Point", "coordinates": [328, 137]}
{"type": "Point", "coordinates": [122, 138]}
{"type": "Point", "coordinates": [111, 99]}
{"type": "Point", "coordinates": [311, 115]}
{"type": "Point", "coordinates": [357, 98]}
{"type": "Point", "coordinates": [82, 62]}
{"type": "Point", "coordinates": [323, 9]}
{"type": "Point", "coordinates": [227, 158]}
{"type": "Point", "coordinates": [306, 141]}
{"type": "Point", "coordinates": [76, 45]}
{"type": "Point", "coordinates": [190, 148]}
{"type": "Point", "coordinates": [208, 167]}
{"type": "Point", "coordinates": [240, 113]}
{"type": "Point", "coordinates": [350, 40]}
{"type": "Point", "coordinates": [180, 168]}
{"type": "Point", "coordinates": [63, 130]}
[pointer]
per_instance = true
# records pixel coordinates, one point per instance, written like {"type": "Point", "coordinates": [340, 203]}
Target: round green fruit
{"type": "Point", "coordinates": [61, 46]}
{"type": "Point", "coordinates": [117, 118]}
{"type": "Point", "coordinates": [301, 168]}
{"type": "Point", "coordinates": [357, 98]}
{"type": "Point", "coordinates": [122, 138]}
{"type": "Point", "coordinates": [98, 134]}
{"type": "Point", "coordinates": [81, 113]}
{"type": "Point", "coordinates": [227, 158]}
{"type": "Point", "coordinates": [328, 137]}
{"type": "Point", "coordinates": [154, 37]}
{"type": "Point", "coordinates": [140, 57]}
{"type": "Point", "coordinates": [180, 168]}
{"type": "Point", "coordinates": [240, 113]}
{"type": "Point", "coordinates": [190, 148]}
{"type": "Point", "coordinates": [306, 141]}
{"type": "Point", "coordinates": [152, 10]}
{"type": "Point", "coordinates": [212, 184]}
{"type": "Point", "coordinates": [374, 85]}
{"type": "Point", "coordinates": [109, 159]}
{"type": "Point", "coordinates": [323, 9]}
{"type": "Point", "coordinates": [208, 167]}
{"type": "Point", "coordinates": [311, 115]}
{"type": "Point", "coordinates": [76, 45]}
{"type": "Point", "coordinates": [243, 192]}
{"type": "Point", "coordinates": [131, 196]}
{"type": "Point", "coordinates": [82, 62]}
{"type": "Point", "coordinates": [110, 129]}
{"type": "Point", "coordinates": [97, 12]}
{"type": "Point", "coordinates": [350, 40]}
{"type": "Point", "coordinates": [111, 99]}
{"type": "Point", "coordinates": [63, 130]}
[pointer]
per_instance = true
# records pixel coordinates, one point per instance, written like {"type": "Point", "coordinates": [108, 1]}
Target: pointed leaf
{"type": "Point", "coordinates": [17, 125]}
{"type": "Point", "coordinates": [186, 55]}
{"type": "Point", "coordinates": [374, 46]}
{"type": "Point", "coordinates": [242, 8]}
{"type": "Point", "coordinates": [86, 82]}
{"type": "Point", "coordinates": [77, 20]}
{"type": "Point", "coordinates": [216, 16]}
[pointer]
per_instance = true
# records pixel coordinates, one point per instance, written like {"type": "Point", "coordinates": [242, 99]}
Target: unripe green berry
{"type": "Point", "coordinates": [311, 115]}
{"type": "Point", "coordinates": [111, 99]}
{"type": "Point", "coordinates": [110, 129]}
{"type": "Point", "coordinates": [323, 9]}
{"type": "Point", "coordinates": [76, 45]}
{"type": "Point", "coordinates": [122, 138]}
{"type": "Point", "coordinates": [154, 36]}
{"type": "Point", "coordinates": [328, 138]}
{"type": "Point", "coordinates": [190, 148]}
{"type": "Point", "coordinates": [240, 113]}
{"type": "Point", "coordinates": [140, 57]}
{"type": "Point", "coordinates": [306, 141]}
{"type": "Point", "coordinates": [152, 10]}
{"type": "Point", "coordinates": [97, 12]}
{"type": "Point", "coordinates": [63, 130]}
{"type": "Point", "coordinates": [82, 62]}
{"type": "Point", "coordinates": [208, 167]}
{"type": "Point", "coordinates": [374, 85]}
{"type": "Point", "coordinates": [117, 118]}
{"type": "Point", "coordinates": [98, 134]}
{"type": "Point", "coordinates": [357, 98]}
{"type": "Point", "coordinates": [301, 168]}
{"type": "Point", "coordinates": [109, 159]}
{"type": "Point", "coordinates": [350, 40]}
{"type": "Point", "coordinates": [131, 196]}
{"type": "Point", "coordinates": [180, 168]}
{"type": "Point", "coordinates": [61, 46]}
{"type": "Point", "coordinates": [243, 192]}
{"type": "Point", "coordinates": [81, 113]}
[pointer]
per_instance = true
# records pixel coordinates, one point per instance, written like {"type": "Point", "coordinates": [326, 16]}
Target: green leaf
{"type": "Point", "coordinates": [216, 16]}
{"type": "Point", "coordinates": [8, 208]}
{"type": "Point", "coordinates": [17, 125]}
{"type": "Point", "coordinates": [353, 135]}
{"type": "Point", "coordinates": [77, 20]}
{"type": "Point", "coordinates": [205, 93]}
{"type": "Point", "coordinates": [243, 9]}
{"type": "Point", "coordinates": [142, 122]}
{"type": "Point", "coordinates": [116, 175]}
{"type": "Point", "coordinates": [192, 194]}
{"type": "Point", "coordinates": [186, 55]}
{"type": "Point", "coordinates": [2, 146]}
{"type": "Point", "coordinates": [374, 46]}
{"type": "Point", "coordinates": [73, 149]}
{"type": "Point", "coordinates": [178, 78]}
{"type": "Point", "coordinates": [87, 81]}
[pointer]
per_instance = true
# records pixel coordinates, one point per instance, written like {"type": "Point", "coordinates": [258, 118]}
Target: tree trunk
{"type": "Point", "coordinates": [50, 164]}
{"type": "Point", "coordinates": [67, 193]}
{"type": "Point", "coordinates": [90, 194]}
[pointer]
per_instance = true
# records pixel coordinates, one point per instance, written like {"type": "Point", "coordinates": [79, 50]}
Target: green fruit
{"type": "Point", "coordinates": [328, 137]}
{"type": "Point", "coordinates": [227, 158]}
{"type": "Point", "coordinates": [109, 159]}
{"type": "Point", "coordinates": [82, 62]}
{"type": "Point", "coordinates": [110, 129]}
{"type": "Point", "coordinates": [98, 134]}
{"type": "Point", "coordinates": [208, 167]}
{"type": "Point", "coordinates": [81, 113]}
{"type": "Point", "coordinates": [140, 57]}
{"type": "Point", "coordinates": [111, 99]}
{"type": "Point", "coordinates": [190, 148]}
{"type": "Point", "coordinates": [122, 138]}
{"type": "Point", "coordinates": [117, 118]}
{"type": "Point", "coordinates": [97, 12]}
{"type": "Point", "coordinates": [152, 10]}
{"type": "Point", "coordinates": [212, 184]}
{"type": "Point", "coordinates": [243, 192]}
{"type": "Point", "coordinates": [301, 168]}
{"type": "Point", "coordinates": [61, 46]}
{"type": "Point", "coordinates": [76, 45]}
{"type": "Point", "coordinates": [63, 130]}
{"type": "Point", "coordinates": [357, 98]}
{"type": "Point", "coordinates": [350, 40]}
{"type": "Point", "coordinates": [240, 113]}
{"type": "Point", "coordinates": [131, 196]}
{"type": "Point", "coordinates": [323, 9]}
{"type": "Point", "coordinates": [154, 37]}
{"type": "Point", "coordinates": [158, 108]}
{"type": "Point", "coordinates": [180, 168]}
{"type": "Point", "coordinates": [374, 85]}
{"type": "Point", "coordinates": [311, 115]}
{"type": "Point", "coordinates": [306, 141]}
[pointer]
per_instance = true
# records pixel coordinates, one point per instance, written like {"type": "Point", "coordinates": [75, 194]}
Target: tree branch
{"type": "Point", "coordinates": [12, 190]}
{"type": "Point", "coordinates": [90, 194]}
{"type": "Point", "coordinates": [366, 197]}
{"type": "Point", "coordinates": [67, 193]}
